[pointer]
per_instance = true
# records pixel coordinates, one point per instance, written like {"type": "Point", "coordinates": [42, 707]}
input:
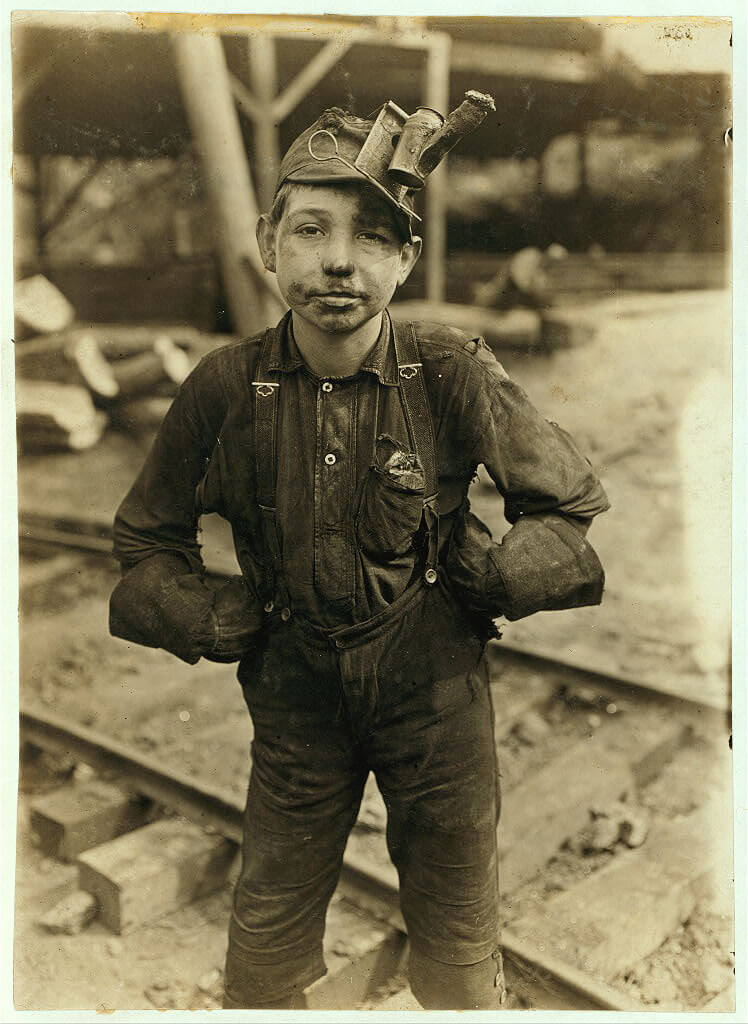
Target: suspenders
{"type": "Point", "coordinates": [420, 428]}
{"type": "Point", "coordinates": [266, 394]}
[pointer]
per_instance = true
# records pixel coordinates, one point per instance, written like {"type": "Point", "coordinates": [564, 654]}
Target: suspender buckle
{"type": "Point", "coordinates": [409, 370]}
{"type": "Point", "coordinates": [264, 388]}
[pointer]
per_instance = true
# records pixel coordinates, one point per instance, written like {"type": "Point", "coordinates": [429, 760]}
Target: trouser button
{"type": "Point", "coordinates": [430, 576]}
{"type": "Point", "coordinates": [285, 614]}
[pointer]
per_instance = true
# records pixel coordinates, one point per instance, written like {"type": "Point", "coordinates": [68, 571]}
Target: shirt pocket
{"type": "Point", "coordinates": [391, 504]}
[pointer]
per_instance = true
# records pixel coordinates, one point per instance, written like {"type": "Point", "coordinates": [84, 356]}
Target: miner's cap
{"type": "Point", "coordinates": [392, 151]}
{"type": "Point", "coordinates": [326, 152]}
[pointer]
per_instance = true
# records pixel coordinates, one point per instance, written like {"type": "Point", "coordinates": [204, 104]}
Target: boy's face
{"type": "Point", "coordinates": [338, 254]}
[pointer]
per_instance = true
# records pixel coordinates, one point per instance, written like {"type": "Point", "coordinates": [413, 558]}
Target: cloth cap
{"type": "Point", "coordinates": [338, 127]}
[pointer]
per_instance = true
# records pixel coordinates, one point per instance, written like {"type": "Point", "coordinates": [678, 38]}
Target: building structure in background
{"type": "Point", "coordinates": [585, 151]}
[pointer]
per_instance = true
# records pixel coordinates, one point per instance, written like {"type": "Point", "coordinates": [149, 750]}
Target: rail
{"type": "Point", "coordinates": [533, 974]}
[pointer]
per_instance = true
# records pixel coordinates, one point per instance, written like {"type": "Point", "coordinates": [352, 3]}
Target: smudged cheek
{"type": "Point", "coordinates": [294, 292]}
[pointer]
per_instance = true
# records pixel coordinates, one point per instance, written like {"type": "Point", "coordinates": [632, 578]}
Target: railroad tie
{"type": "Point", "coordinates": [153, 871]}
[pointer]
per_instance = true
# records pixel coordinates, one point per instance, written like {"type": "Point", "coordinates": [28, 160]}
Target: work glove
{"type": "Point", "coordinates": [161, 602]}
{"type": "Point", "coordinates": [544, 562]}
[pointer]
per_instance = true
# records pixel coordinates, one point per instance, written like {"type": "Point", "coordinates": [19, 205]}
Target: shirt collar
{"type": "Point", "coordinates": [286, 358]}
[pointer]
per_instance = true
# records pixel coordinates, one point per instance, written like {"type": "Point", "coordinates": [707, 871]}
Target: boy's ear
{"type": "Point", "coordinates": [408, 258]}
{"type": "Point", "coordinates": [266, 241]}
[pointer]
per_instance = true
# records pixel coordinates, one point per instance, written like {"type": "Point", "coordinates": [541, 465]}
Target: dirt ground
{"type": "Point", "coordinates": [648, 401]}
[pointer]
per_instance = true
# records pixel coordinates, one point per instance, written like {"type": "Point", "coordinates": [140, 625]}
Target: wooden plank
{"type": "Point", "coordinates": [148, 873]}
{"type": "Point", "coordinates": [619, 758]}
{"type": "Point", "coordinates": [40, 306]}
{"type": "Point", "coordinates": [624, 912]}
{"type": "Point", "coordinates": [77, 818]}
{"type": "Point", "coordinates": [56, 416]}
{"type": "Point", "coordinates": [551, 806]}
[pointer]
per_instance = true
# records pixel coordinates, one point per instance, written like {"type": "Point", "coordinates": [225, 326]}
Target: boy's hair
{"type": "Point", "coordinates": [279, 204]}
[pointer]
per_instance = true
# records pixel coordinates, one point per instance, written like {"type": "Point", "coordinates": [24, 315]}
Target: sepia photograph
{"type": "Point", "coordinates": [372, 381]}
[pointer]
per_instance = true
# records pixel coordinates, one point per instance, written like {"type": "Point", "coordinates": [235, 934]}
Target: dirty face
{"type": "Point", "coordinates": [338, 254]}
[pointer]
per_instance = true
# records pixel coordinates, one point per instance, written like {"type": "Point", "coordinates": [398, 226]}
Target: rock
{"type": "Point", "coordinates": [71, 915]}
{"type": "Point", "coordinates": [83, 772]}
{"type": "Point", "coordinates": [602, 834]}
{"type": "Point", "coordinates": [634, 826]}
{"type": "Point", "coordinates": [617, 821]}
{"type": "Point", "coordinates": [211, 983]}
{"type": "Point", "coordinates": [166, 995]}
{"type": "Point", "coordinates": [658, 987]}
{"type": "Point", "coordinates": [531, 728]}
{"type": "Point", "coordinates": [715, 977]}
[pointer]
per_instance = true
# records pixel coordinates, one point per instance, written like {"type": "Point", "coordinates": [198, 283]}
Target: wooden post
{"type": "Point", "coordinates": [264, 78]}
{"type": "Point", "coordinates": [26, 216]}
{"type": "Point", "coordinates": [436, 95]}
{"type": "Point", "coordinates": [206, 91]}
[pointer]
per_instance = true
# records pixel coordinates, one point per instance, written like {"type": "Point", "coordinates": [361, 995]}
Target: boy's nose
{"type": "Point", "coordinates": [338, 258]}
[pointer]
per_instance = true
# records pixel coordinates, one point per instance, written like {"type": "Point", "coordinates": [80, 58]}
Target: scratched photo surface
{"type": "Point", "coordinates": [583, 231]}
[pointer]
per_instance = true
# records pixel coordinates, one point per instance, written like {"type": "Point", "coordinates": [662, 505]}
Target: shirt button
{"type": "Point", "coordinates": [339, 643]}
{"type": "Point", "coordinates": [330, 459]}
{"type": "Point", "coordinates": [327, 386]}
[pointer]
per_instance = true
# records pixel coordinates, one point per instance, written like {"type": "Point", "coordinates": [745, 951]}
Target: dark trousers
{"type": "Point", "coordinates": [405, 696]}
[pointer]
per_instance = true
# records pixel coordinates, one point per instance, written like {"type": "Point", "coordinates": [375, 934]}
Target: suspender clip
{"type": "Point", "coordinates": [409, 370]}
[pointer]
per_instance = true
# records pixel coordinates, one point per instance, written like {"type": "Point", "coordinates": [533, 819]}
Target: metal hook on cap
{"type": "Point", "coordinates": [358, 171]}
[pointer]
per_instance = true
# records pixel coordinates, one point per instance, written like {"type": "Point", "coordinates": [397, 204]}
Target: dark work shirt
{"type": "Point", "coordinates": [329, 431]}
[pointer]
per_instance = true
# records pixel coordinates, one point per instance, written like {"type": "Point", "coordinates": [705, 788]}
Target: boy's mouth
{"type": "Point", "coordinates": [336, 297]}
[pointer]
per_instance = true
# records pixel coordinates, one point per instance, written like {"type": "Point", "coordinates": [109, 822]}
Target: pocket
{"type": "Point", "coordinates": [391, 503]}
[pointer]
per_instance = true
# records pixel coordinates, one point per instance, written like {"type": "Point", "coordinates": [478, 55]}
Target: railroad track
{"type": "Point", "coordinates": [571, 743]}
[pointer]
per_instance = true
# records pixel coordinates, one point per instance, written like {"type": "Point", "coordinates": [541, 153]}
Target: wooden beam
{"type": "Point", "coordinates": [524, 62]}
{"type": "Point", "coordinates": [263, 74]}
{"type": "Point", "coordinates": [206, 89]}
{"type": "Point", "coordinates": [153, 871]}
{"type": "Point", "coordinates": [247, 103]}
{"type": "Point", "coordinates": [436, 95]}
{"type": "Point", "coordinates": [69, 200]}
{"type": "Point", "coordinates": [308, 77]}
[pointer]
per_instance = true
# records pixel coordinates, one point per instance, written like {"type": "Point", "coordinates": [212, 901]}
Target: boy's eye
{"type": "Point", "coordinates": [309, 230]}
{"type": "Point", "coordinates": [373, 236]}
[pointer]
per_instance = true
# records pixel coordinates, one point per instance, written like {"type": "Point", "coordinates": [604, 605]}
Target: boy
{"type": "Point", "coordinates": [340, 447]}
